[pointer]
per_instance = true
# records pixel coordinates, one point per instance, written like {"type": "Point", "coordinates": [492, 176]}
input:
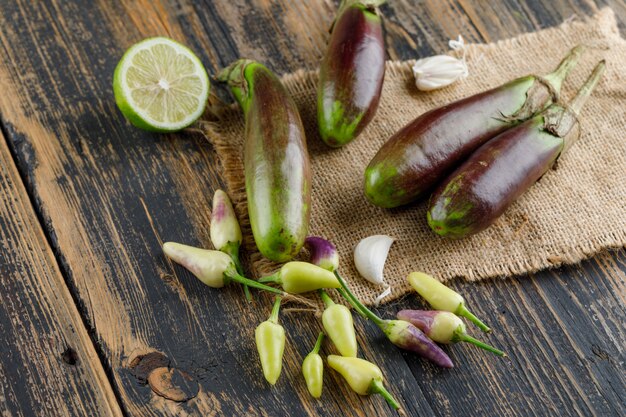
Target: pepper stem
{"type": "Point", "coordinates": [232, 250]}
{"type": "Point", "coordinates": [275, 309]}
{"type": "Point", "coordinates": [234, 276]}
{"type": "Point", "coordinates": [556, 78]}
{"type": "Point", "coordinates": [464, 337]}
{"type": "Point", "coordinates": [376, 387]}
{"type": "Point", "coordinates": [347, 294]}
{"type": "Point", "coordinates": [464, 312]}
{"type": "Point", "coordinates": [318, 343]}
{"type": "Point", "coordinates": [344, 295]}
{"type": "Point", "coordinates": [326, 299]}
{"type": "Point", "coordinates": [272, 278]}
{"type": "Point", "coordinates": [585, 91]}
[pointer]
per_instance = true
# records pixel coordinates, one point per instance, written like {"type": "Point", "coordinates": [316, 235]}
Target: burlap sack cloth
{"type": "Point", "coordinates": [570, 214]}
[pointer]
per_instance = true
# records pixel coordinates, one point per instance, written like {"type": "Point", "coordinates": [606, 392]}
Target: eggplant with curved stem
{"type": "Point", "coordinates": [418, 156]}
{"type": "Point", "coordinates": [276, 160]}
{"type": "Point", "coordinates": [500, 171]}
{"type": "Point", "coordinates": [351, 73]}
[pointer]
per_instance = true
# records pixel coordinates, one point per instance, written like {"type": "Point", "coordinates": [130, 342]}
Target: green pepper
{"type": "Point", "coordinates": [443, 298]}
{"type": "Point", "coordinates": [270, 342]}
{"type": "Point", "coordinates": [313, 369]}
{"type": "Point", "coordinates": [364, 377]}
{"type": "Point", "coordinates": [298, 277]}
{"type": "Point", "coordinates": [339, 326]}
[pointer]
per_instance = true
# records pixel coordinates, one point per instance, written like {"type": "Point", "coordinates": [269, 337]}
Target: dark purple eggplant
{"type": "Point", "coordinates": [351, 73]}
{"type": "Point", "coordinates": [421, 154]}
{"type": "Point", "coordinates": [501, 170]}
{"type": "Point", "coordinates": [276, 160]}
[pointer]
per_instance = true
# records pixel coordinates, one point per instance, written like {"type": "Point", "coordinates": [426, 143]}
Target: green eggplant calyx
{"type": "Point", "coordinates": [461, 336]}
{"type": "Point", "coordinates": [376, 387]}
{"type": "Point", "coordinates": [235, 76]}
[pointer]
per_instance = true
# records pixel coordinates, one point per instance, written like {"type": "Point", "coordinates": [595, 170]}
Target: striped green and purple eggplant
{"type": "Point", "coordinates": [501, 170]}
{"type": "Point", "coordinates": [416, 158]}
{"type": "Point", "coordinates": [276, 160]}
{"type": "Point", "coordinates": [351, 73]}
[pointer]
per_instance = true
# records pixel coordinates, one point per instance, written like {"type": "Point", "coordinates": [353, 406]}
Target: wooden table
{"type": "Point", "coordinates": [85, 200]}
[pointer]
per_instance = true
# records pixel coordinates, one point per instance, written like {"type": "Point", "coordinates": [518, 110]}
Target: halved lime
{"type": "Point", "coordinates": [160, 85]}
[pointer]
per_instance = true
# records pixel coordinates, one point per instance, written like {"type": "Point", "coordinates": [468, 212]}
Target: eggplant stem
{"type": "Point", "coordinates": [585, 91]}
{"type": "Point", "coordinates": [464, 337]}
{"type": "Point", "coordinates": [347, 294]}
{"type": "Point", "coordinates": [326, 299]}
{"type": "Point", "coordinates": [376, 387]}
{"type": "Point", "coordinates": [234, 276]}
{"type": "Point", "coordinates": [464, 312]}
{"type": "Point", "coordinates": [318, 343]}
{"type": "Point", "coordinates": [556, 78]}
{"type": "Point", "coordinates": [275, 309]}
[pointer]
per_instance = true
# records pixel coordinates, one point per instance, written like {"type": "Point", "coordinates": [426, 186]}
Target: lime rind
{"type": "Point", "coordinates": [160, 85]}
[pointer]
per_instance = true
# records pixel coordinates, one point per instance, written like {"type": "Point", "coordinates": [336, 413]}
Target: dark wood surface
{"type": "Point", "coordinates": [82, 222]}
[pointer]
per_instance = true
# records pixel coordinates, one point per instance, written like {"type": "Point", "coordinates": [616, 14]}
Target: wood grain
{"type": "Point", "coordinates": [109, 194]}
{"type": "Point", "coordinates": [48, 363]}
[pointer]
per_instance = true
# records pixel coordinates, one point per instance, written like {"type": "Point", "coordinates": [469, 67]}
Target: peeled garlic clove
{"type": "Point", "coordinates": [438, 71]}
{"type": "Point", "coordinates": [370, 255]}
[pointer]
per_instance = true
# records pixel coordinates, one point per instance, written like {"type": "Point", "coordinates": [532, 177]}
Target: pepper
{"type": "Point", "coordinates": [275, 158]}
{"type": "Point", "coordinates": [421, 154]}
{"type": "Point", "coordinates": [443, 298]}
{"type": "Point", "coordinates": [443, 327]}
{"type": "Point", "coordinates": [270, 343]}
{"type": "Point", "coordinates": [364, 377]}
{"type": "Point", "coordinates": [351, 72]}
{"type": "Point", "coordinates": [401, 333]}
{"type": "Point", "coordinates": [225, 231]}
{"type": "Point", "coordinates": [323, 253]}
{"type": "Point", "coordinates": [499, 172]}
{"type": "Point", "coordinates": [298, 277]}
{"type": "Point", "coordinates": [339, 326]}
{"type": "Point", "coordinates": [313, 369]}
{"type": "Point", "coordinates": [215, 269]}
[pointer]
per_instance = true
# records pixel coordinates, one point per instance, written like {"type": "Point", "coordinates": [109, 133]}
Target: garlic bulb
{"type": "Point", "coordinates": [370, 255]}
{"type": "Point", "coordinates": [441, 70]}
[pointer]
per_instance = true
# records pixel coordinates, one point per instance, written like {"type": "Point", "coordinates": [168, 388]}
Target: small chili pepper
{"type": "Point", "coordinates": [401, 333]}
{"type": "Point", "coordinates": [364, 377]}
{"type": "Point", "coordinates": [443, 327]}
{"type": "Point", "coordinates": [313, 369]}
{"type": "Point", "coordinates": [298, 277]}
{"type": "Point", "coordinates": [443, 298]}
{"type": "Point", "coordinates": [323, 253]}
{"type": "Point", "coordinates": [215, 269]}
{"type": "Point", "coordinates": [225, 231]}
{"type": "Point", "coordinates": [338, 324]}
{"type": "Point", "coordinates": [270, 342]}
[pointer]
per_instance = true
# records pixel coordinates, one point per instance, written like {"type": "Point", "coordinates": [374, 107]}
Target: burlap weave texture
{"type": "Point", "coordinates": [573, 212]}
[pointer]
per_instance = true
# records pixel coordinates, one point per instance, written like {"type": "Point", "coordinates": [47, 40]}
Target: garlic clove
{"type": "Point", "coordinates": [370, 255]}
{"type": "Point", "coordinates": [438, 71]}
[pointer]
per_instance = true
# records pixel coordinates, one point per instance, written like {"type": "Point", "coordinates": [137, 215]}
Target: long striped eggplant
{"type": "Point", "coordinates": [276, 160]}
{"type": "Point", "coordinates": [423, 152]}
{"type": "Point", "coordinates": [501, 170]}
{"type": "Point", "coordinates": [351, 73]}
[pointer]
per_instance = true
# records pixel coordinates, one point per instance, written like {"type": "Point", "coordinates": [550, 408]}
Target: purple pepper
{"type": "Point", "coordinates": [443, 327]}
{"type": "Point", "coordinates": [323, 253]}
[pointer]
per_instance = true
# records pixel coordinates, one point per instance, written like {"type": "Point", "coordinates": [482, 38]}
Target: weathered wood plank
{"type": "Point", "coordinates": [109, 195]}
{"type": "Point", "coordinates": [48, 363]}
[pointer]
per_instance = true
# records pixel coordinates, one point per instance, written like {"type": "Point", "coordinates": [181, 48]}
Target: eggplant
{"type": "Point", "coordinates": [421, 154]}
{"type": "Point", "coordinates": [501, 170]}
{"type": "Point", "coordinates": [351, 73]}
{"type": "Point", "coordinates": [276, 160]}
